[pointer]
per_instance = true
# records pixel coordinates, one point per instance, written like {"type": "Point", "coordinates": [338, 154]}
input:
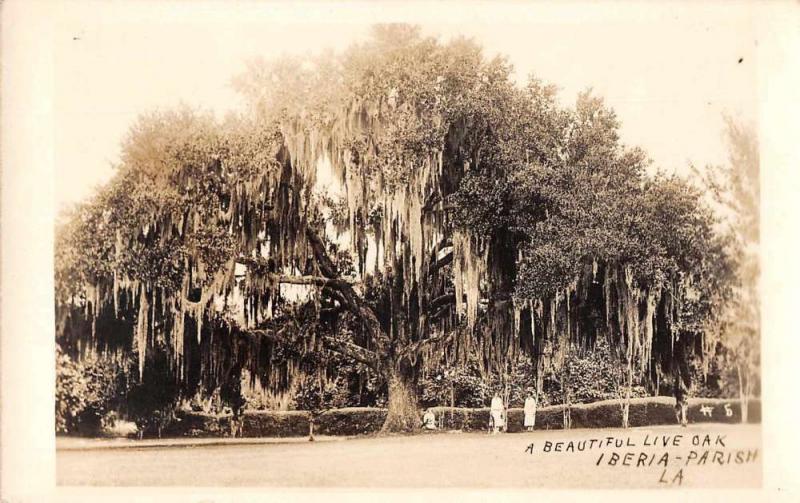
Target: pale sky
{"type": "Point", "coordinates": [670, 70]}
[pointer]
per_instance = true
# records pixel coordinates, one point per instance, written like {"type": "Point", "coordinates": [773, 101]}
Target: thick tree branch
{"type": "Point", "coordinates": [334, 294]}
{"type": "Point", "coordinates": [256, 262]}
{"type": "Point", "coordinates": [313, 280]}
{"type": "Point", "coordinates": [432, 201]}
{"type": "Point", "coordinates": [324, 262]}
{"type": "Point", "coordinates": [441, 301]}
{"type": "Point", "coordinates": [417, 347]}
{"type": "Point", "coordinates": [354, 351]}
{"type": "Point", "coordinates": [337, 287]}
{"type": "Point", "coordinates": [436, 207]}
{"type": "Point", "coordinates": [272, 335]}
{"type": "Point", "coordinates": [351, 299]}
{"type": "Point", "coordinates": [446, 259]}
{"type": "Point", "coordinates": [262, 263]}
{"type": "Point", "coordinates": [438, 314]}
{"type": "Point", "coordinates": [331, 310]}
{"type": "Point", "coordinates": [346, 348]}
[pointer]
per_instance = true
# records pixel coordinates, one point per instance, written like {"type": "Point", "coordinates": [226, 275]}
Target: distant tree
{"type": "Point", "coordinates": [735, 188]}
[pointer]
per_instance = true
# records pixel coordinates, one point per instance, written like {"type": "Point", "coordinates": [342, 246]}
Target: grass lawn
{"type": "Point", "coordinates": [430, 460]}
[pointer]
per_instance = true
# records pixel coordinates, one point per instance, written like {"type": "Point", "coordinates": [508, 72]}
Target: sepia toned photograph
{"type": "Point", "coordinates": [398, 256]}
{"type": "Point", "coordinates": [519, 249]}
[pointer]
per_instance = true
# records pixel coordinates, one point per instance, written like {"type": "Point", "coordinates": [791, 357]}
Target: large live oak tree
{"type": "Point", "coordinates": [403, 203]}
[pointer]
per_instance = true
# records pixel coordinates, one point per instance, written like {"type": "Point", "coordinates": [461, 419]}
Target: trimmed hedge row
{"type": "Point", "coordinates": [350, 421]}
{"type": "Point", "coordinates": [365, 420]}
{"type": "Point", "coordinates": [648, 411]}
{"type": "Point", "coordinates": [196, 424]}
{"type": "Point", "coordinates": [276, 424]}
{"type": "Point", "coordinates": [254, 424]}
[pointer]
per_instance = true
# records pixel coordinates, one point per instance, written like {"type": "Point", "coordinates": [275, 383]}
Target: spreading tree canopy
{"type": "Point", "coordinates": [402, 203]}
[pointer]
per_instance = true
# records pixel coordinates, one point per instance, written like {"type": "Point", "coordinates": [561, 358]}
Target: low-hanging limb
{"type": "Point", "coordinates": [342, 290]}
{"type": "Point", "coordinates": [347, 293]}
{"type": "Point", "coordinates": [326, 266]}
{"type": "Point", "coordinates": [339, 288]}
{"type": "Point", "coordinates": [346, 348]}
{"type": "Point", "coordinates": [262, 263]}
{"type": "Point", "coordinates": [445, 300]}
{"type": "Point", "coordinates": [354, 351]}
{"type": "Point", "coordinates": [442, 261]}
{"type": "Point", "coordinates": [334, 294]}
{"type": "Point", "coordinates": [438, 314]}
{"type": "Point", "coordinates": [413, 350]}
{"type": "Point", "coordinates": [313, 280]}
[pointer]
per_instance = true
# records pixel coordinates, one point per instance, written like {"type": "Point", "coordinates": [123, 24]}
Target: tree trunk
{"type": "Point", "coordinates": [683, 382]}
{"type": "Point", "coordinates": [452, 403]}
{"type": "Point", "coordinates": [403, 415]}
{"type": "Point", "coordinates": [626, 408]}
{"type": "Point", "coordinates": [681, 401]}
{"type": "Point", "coordinates": [567, 419]}
{"type": "Point", "coordinates": [743, 402]}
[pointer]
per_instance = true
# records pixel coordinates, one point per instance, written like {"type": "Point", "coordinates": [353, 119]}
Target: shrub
{"type": "Point", "coordinates": [197, 424]}
{"type": "Point", "coordinates": [254, 424]}
{"type": "Point", "coordinates": [353, 421]}
{"type": "Point", "coordinates": [479, 419]}
{"type": "Point", "coordinates": [152, 402]}
{"type": "Point", "coordinates": [648, 411]}
{"type": "Point", "coordinates": [71, 392]}
{"type": "Point", "coordinates": [86, 392]}
{"type": "Point", "coordinates": [364, 420]}
{"type": "Point", "coordinates": [294, 423]}
{"type": "Point", "coordinates": [462, 385]}
{"type": "Point", "coordinates": [453, 418]}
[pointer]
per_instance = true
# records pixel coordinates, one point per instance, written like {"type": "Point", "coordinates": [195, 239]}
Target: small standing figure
{"type": "Point", "coordinates": [429, 420]}
{"type": "Point", "coordinates": [497, 414]}
{"type": "Point", "coordinates": [530, 411]}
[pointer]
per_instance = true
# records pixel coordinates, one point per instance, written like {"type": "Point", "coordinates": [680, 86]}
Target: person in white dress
{"type": "Point", "coordinates": [530, 411]}
{"type": "Point", "coordinates": [497, 414]}
{"type": "Point", "coordinates": [429, 420]}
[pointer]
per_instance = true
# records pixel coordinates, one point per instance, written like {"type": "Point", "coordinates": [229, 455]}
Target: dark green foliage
{"type": "Point", "coordinates": [151, 402]}
{"type": "Point", "coordinates": [254, 424]}
{"type": "Point", "coordinates": [550, 418]}
{"type": "Point", "coordinates": [87, 393]}
{"type": "Point", "coordinates": [350, 385]}
{"type": "Point", "coordinates": [354, 421]}
{"type": "Point", "coordinates": [197, 424]}
{"type": "Point", "coordinates": [230, 390]}
{"type": "Point", "coordinates": [364, 420]}
{"type": "Point", "coordinates": [456, 418]}
{"type": "Point", "coordinates": [589, 377]}
{"type": "Point", "coordinates": [656, 412]}
{"type": "Point", "coordinates": [457, 386]}
{"type": "Point", "coordinates": [71, 391]}
{"type": "Point", "coordinates": [275, 424]}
